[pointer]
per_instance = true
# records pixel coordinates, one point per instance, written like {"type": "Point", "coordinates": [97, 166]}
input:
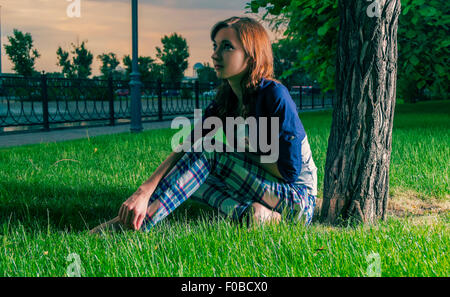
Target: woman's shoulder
{"type": "Point", "coordinates": [268, 85]}
{"type": "Point", "coordinates": [274, 94]}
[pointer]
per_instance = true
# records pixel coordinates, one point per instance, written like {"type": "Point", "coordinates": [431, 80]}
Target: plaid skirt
{"type": "Point", "coordinates": [229, 182]}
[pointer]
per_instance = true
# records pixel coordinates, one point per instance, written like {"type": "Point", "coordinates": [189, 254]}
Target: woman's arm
{"type": "Point", "coordinates": [150, 185]}
{"type": "Point", "coordinates": [133, 211]}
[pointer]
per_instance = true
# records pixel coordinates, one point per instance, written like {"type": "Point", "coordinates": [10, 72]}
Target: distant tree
{"type": "Point", "coordinates": [174, 56]}
{"type": "Point", "coordinates": [149, 70]}
{"type": "Point", "coordinates": [64, 62]}
{"type": "Point", "coordinates": [285, 58]}
{"type": "Point", "coordinates": [80, 66]}
{"type": "Point", "coordinates": [21, 52]}
{"type": "Point", "coordinates": [82, 61]}
{"type": "Point", "coordinates": [157, 71]}
{"type": "Point", "coordinates": [109, 65]}
{"type": "Point", "coordinates": [121, 73]}
{"type": "Point", "coordinates": [207, 74]}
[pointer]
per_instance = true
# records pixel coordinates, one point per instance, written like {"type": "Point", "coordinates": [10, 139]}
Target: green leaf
{"type": "Point", "coordinates": [414, 60]}
{"type": "Point", "coordinates": [254, 6]}
{"type": "Point", "coordinates": [420, 84]}
{"type": "Point", "coordinates": [321, 9]}
{"type": "Point", "coordinates": [428, 11]}
{"type": "Point", "coordinates": [330, 71]}
{"type": "Point", "coordinates": [411, 34]}
{"type": "Point", "coordinates": [307, 11]}
{"type": "Point", "coordinates": [445, 43]}
{"type": "Point", "coordinates": [287, 73]}
{"type": "Point", "coordinates": [440, 71]}
{"type": "Point", "coordinates": [405, 11]}
{"type": "Point", "coordinates": [323, 29]}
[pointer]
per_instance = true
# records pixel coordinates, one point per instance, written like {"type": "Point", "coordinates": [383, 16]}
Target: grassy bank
{"type": "Point", "coordinates": [50, 194]}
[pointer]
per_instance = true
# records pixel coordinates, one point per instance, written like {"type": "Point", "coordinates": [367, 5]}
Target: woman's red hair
{"type": "Point", "coordinates": [258, 48]}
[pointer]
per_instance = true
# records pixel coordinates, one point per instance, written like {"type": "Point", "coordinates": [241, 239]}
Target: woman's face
{"type": "Point", "coordinates": [229, 58]}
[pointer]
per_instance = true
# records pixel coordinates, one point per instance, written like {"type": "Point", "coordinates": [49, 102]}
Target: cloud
{"type": "Point", "coordinates": [106, 24]}
{"type": "Point", "coordinates": [188, 4]}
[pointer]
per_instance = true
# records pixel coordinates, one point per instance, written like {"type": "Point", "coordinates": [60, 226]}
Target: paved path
{"type": "Point", "coordinates": [72, 133]}
{"type": "Point", "coordinates": [16, 139]}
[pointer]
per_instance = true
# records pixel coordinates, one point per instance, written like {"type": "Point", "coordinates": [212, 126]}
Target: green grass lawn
{"type": "Point", "coordinates": [51, 194]}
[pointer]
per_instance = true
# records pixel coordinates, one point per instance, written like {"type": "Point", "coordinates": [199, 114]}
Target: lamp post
{"type": "Point", "coordinates": [0, 39]}
{"type": "Point", "coordinates": [135, 81]}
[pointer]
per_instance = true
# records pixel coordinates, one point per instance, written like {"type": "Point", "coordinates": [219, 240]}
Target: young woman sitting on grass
{"type": "Point", "coordinates": [238, 184]}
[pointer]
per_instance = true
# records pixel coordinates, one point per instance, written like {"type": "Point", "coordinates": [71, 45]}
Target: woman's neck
{"type": "Point", "coordinates": [237, 90]}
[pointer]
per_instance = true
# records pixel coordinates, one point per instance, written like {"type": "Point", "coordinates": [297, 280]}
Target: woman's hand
{"type": "Point", "coordinates": [132, 212]}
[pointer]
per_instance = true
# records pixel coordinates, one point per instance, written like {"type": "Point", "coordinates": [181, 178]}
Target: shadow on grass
{"type": "Point", "coordinates": [61, 208]}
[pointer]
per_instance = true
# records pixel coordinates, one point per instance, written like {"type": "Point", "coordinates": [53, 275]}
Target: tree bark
{"type": "Point", "coordinates": [356, 181]}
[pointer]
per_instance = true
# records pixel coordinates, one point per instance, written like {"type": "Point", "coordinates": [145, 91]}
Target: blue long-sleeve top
{"type": "Point", "coordinates": [273, 100]}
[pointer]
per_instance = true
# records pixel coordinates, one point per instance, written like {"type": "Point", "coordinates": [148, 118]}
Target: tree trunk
{"type": "Point", "coordinates": [356, 184]}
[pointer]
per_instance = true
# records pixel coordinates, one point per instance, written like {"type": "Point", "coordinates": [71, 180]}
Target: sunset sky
{"type": "Point", "coordinates": [106, 24]}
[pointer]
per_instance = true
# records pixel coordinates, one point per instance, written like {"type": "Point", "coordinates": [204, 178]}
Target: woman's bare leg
{"type": "Point", "coordinates": [116, 225]}
{"type": "Point", "coordinates": [113, 225]}
{"type": "Point", "coordinates": [153, 207]}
